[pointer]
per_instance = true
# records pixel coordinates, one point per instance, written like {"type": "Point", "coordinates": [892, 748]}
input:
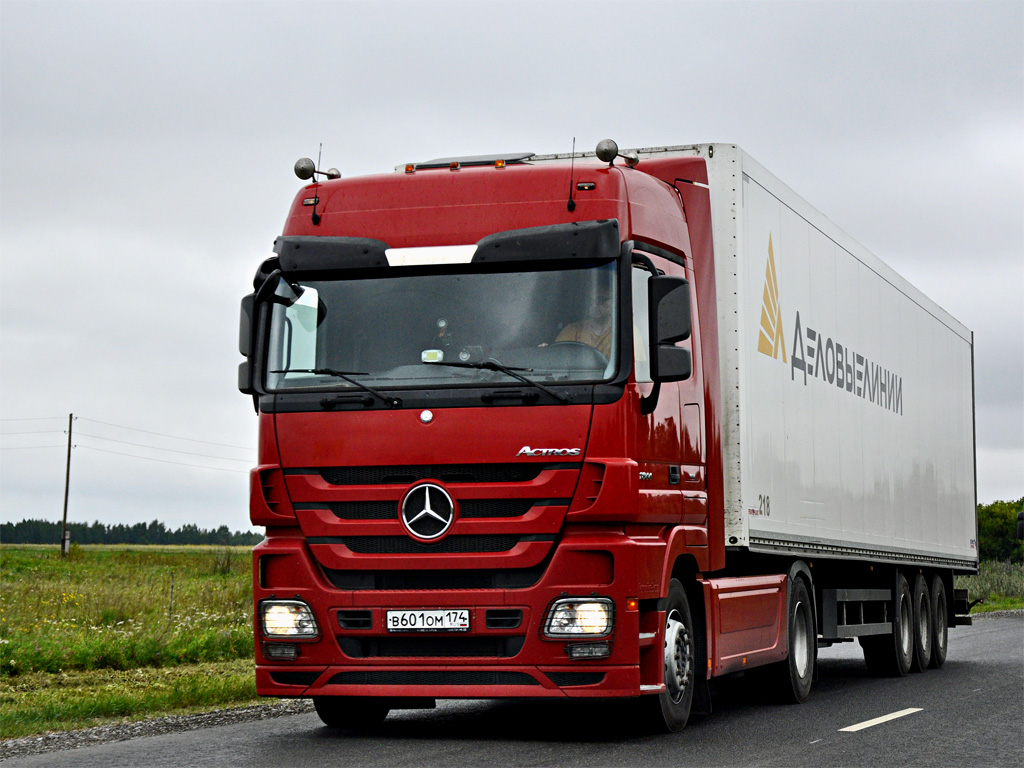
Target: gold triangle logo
{"type": "Point", "coordinates": [771, 340]}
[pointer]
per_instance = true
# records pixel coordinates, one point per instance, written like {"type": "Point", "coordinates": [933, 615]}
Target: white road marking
{"type": "Point", "coordinates": [880, 720]}
{"type": "Point", "coordinates": [815, 741]}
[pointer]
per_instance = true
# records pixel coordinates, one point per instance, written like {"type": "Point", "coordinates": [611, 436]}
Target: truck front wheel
{"type": "Point", "coordinates": [671, 709]}
{"type": "Point", "coordinates": [351, 713]}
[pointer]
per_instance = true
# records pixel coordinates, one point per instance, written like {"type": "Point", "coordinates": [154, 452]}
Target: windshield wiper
{"type": "Point", "coordinates": [494, 365]}
{"type": "Point", "coordinates": [394, 402]}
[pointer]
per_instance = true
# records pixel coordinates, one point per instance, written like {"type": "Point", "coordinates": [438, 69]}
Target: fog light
{"type": "Point", "coordinates": [281, 651]}
{"type": "Point", "coordinates": [588, 650]}
{"type": "Point", "coordinates": [288, 618]}
{"type": "Point", "coordinates": [572, 617]}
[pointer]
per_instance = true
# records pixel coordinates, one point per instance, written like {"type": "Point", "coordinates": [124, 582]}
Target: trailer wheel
{"type": "Point", "coordinates": [351, 713]}
{"type": "Point", "coordinates": [890, 655]}
{"type": "Point", "coordinates": [923, 629]}
{"type": "Point", "coordinates": [670, 710]}
{"type": "Point", "coordinates": [792, 677]}
{"type": "Point", "coordinates": [940, 629]}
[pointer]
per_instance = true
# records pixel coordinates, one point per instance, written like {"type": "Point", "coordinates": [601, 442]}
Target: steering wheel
{"type": "Point", "coordinates": [594, 354]}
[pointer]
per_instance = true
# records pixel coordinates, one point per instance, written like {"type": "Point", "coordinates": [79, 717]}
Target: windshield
{"type": "Point", "coordinates": [553, 325]}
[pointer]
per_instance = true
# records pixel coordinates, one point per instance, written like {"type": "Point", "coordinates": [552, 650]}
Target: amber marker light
{"type": "Point", "coordinates": [453, 165]}
{"type": "Point", "coordinates": [410, 167]}
{"type": "Point", "coordinates": [632, 604]}
{"type": "Point", "coordinates": [499, 163]}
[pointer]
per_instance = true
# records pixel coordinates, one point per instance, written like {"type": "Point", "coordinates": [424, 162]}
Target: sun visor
{"type": "Point", "coordinates": [317, 254]}
{"type": "Point", "coordinates": [591, 240]}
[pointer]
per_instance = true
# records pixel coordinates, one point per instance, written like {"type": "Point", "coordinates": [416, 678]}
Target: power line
{"type": "Point", "coordinates": [28, 447]}
{"type": "Point", "coordinates": [162, 461]}
{"type": "Point", "coordinates": [161, 434]}
{"type": "Point", "coordinates": [35, 432]}
{"type": "Point", "coordinates": [42, 418]}
{"type": "Point", "coordinates": [156, 448]}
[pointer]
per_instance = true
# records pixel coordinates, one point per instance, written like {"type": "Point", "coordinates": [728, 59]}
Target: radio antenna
{"type": "Point", "coordinates": [316, 186]}
{"type": "Point", "coordinates": [571, 205]}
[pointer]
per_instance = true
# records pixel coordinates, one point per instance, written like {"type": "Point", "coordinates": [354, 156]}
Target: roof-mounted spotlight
{"type": "Point", "coordinates": [608, 150]}
{"type": "Point", "coordinates": [305, 168]}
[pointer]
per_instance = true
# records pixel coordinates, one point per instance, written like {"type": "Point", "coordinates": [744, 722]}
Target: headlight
{"type": "Point", "coordinates": [288, 618]}
{"type": "Point", "coordinates": [573, 617]}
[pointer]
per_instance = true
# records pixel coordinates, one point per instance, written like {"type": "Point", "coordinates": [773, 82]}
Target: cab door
{"type": "Point", "coordinates": [668, 442]}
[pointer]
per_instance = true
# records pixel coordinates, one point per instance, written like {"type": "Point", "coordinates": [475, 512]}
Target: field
{"type": "Point", "coordinates": [1000, 585]}
{"type": "Point", "coordinates": [116, 633]}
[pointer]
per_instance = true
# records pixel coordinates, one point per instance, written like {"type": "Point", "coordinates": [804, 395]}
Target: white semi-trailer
{"type": "Point", "coordinates": [590, 427]}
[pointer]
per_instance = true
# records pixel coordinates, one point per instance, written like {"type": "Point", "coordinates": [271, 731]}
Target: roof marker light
{"type": "Point", "coordinates": [499, 163]}
{"type": "Point", "coordinates": [453, 165]}
{"type": "Point", "coordinates": [410, 167]}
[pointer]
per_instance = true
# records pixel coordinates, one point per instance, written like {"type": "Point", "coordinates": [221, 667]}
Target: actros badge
{"type": "Point", "coordinates": [428, 511]}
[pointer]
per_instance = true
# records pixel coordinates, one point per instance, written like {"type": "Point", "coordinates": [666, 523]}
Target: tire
{"type": "Point", "coordinates": [890, 655]}
{"type": "Point", "coordinates": [940, 619]}
{"type": "Point", "coordinates": [669, 711]}
{"type": "Point", "coordinates": [923, 629]}
{"type": "Point", "coordinates": [791, 678]}
{"type": "Point", "coordinates": [351, 713]}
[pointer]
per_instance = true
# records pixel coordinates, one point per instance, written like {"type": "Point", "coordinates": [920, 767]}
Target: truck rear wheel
{"type": "Point", "coordinates": [791, 678]}
{"type": "Point", "coordinates": [670, 710]}
{"type": "Point", "coordinates": [890, 655]}
{"type": "Point", "coordinates": [923, 629]}
{"type": "Point", "coordinates": [939, 622]}
{"type": "Point", "coordinates": [351, 713]}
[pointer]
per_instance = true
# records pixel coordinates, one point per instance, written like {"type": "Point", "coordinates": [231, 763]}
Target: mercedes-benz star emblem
{"type": "Point", "coordinates": [428, 511]}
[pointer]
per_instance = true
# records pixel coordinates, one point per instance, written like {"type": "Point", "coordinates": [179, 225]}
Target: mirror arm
{"type": "Point", "coordinates": [650, 402]}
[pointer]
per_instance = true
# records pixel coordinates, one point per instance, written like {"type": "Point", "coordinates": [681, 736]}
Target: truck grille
{"type": "Point", "coordinates": [403, 545]}
{"type": "Point", "coordinates": [469, 508]}
{"type": "Point", "coordinates": [415, 677]}
{"type": "Point", "coordinates": [448, 473]}
{"type": "Point", "coordinates": [423, 647]}
{"type": "Point", "coordinates": [434, 580]}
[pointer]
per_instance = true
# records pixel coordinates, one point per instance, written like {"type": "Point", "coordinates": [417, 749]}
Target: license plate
{"type": "Point", "coordinates": [448, 620]}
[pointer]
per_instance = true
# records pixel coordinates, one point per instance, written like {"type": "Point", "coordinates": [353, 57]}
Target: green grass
{"type": "Point", "coordinates": [999, 584]}
{"type": "Point", "coordinates": [116, 633]}
{"type": "Point", "coordinates": [122, 607]}
{"type": "Point", "coordinates": [37, 702]}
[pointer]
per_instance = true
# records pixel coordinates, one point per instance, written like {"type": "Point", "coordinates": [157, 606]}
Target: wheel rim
{"type": "Point", "coordinates": [923, 620]}
{"type": "Point", "coordinates": [801, 641]}
{"type": "Point", "coordinates": [906, 627]}
{"type": "Point", "coordinates": [940, 623]}
{"type": "Point", "coordinates": [678, 664]}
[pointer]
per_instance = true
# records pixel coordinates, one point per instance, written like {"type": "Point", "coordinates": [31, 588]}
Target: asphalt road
{"type": "Point", "coordinates": [970, 713]}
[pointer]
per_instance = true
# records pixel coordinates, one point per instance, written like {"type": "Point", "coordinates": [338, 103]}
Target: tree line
{"type": "Point", "coordinates": [997, 531]}
{"type": "Point", "coordinates": [46, 532]}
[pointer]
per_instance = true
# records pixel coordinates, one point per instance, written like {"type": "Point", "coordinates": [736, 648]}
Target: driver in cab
{"type": "Point", "coordinates": [595, 329]}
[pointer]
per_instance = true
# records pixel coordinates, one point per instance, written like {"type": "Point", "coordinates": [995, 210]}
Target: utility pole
{"type": "Point", "coordinates": [64, 538]}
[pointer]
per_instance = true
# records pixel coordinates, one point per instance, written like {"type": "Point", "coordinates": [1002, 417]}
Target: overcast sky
{"type": "Point", "coordinates": [147, 153]}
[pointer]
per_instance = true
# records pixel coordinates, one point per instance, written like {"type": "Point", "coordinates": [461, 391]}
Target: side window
{"type": "Point", "coordinates": [641, 334]}
{"type": "Point", "coordinates": [301, 318]}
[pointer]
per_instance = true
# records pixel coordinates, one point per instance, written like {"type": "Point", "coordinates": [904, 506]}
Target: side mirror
{"type": "Point", "coordinates": [668, 299]}
{"type": "Point", "coordinates": [245, 345]}
{"type": "Point", "coordinates": [245, 326]}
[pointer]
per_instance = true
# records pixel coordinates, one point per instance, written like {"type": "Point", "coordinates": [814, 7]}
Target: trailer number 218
{"type": "Point", "coordinates": [764, 505]}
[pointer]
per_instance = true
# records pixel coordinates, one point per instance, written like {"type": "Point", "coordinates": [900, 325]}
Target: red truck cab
{"type": "Point", "coordinates": [462, 497]}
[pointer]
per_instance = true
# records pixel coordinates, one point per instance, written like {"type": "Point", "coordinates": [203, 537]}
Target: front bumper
{"type": "Point", "coordinates": [504, 653]}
